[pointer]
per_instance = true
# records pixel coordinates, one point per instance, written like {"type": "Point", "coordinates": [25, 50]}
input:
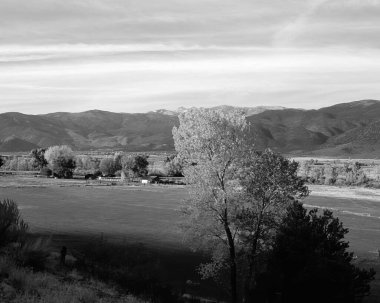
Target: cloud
{"type": "Point", "coordinates": [287, 35]}
{"type": "Point", "coordinates": [132, 55]}
{"type": "Point", "coordinates": [112, 79]}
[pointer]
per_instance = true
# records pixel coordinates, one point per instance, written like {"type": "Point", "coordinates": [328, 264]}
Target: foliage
{"type": "Point", "coordinates": [135, 166]}
{"type": "Point", "coordinates": [63, 167]}
{"type": "Point", "coordinates": [174, 166]}
{"type": "Point", "coordinates": [134, 268]}
{"type": "Point", "coordinates": [87, 163]}
{"type": "Point", "coordinates": [1, 161]}
{"type": "Point", "coordinates": [19, 164]}
{"type": "Point", "coordinates": [33, 253]}
{"type": "Point", "coordinates": [330, 175]}
{"type": "Point", "coordinates": [354, 174]}
{"type": "Point", "coordinates": [336, 173]}
{"type": "Point", "coordinates": [45, 171]}
{"type": "Point", "coordinates": [12, 227]}
{"type": "Point", "coordinates": [216, 141]}
{"type": "Point", "coordinates": [310, 254]}
{"type": "Point", "coordinates": [38, 155]}
{"type": "Point", "coordinates": [270, 184]}
{"type": "Point", "coordinates": [27, 286]}
{"type": "Point", "coordinates": [107, 166]}
{"type": "Point", "coordinates": [61, 160]}
{"type": "Point", "coordinates": [117, 159]}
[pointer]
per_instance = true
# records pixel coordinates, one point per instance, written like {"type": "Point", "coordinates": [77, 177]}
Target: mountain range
{"type": "Point", "coordinates": [343, 130]}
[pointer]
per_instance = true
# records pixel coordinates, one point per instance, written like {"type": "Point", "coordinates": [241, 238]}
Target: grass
{"type": "Point", "coordinates": [136, 214]}
{"type": "Point", "coordinates": [149, 215]}
{"type": "Point", "coordinates": [37, 287]}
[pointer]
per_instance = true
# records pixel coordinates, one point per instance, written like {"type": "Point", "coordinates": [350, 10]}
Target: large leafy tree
{"type": "Point", "coordinates": [107, 166]}
{"type": "Point", "coordinates": [310, 261]}
{"type": "Point", "coordinates": [270, 184]}
{"type": "Point", "coordinates": [135, 166]}
{"type": "Point", "coordinates": [38, 155]}
{"type": "Point", "coordinates": [211, 145]}
{"type": "Point", "coordinates": [61, 160]}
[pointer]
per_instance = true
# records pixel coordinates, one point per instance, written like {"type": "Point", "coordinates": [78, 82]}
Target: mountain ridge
{"type": "Point", "coordinates": [330, 131]}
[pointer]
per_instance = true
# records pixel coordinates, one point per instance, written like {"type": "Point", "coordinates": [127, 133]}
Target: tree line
{"type": "Point", "coordinates": [349, 173]}
{"type": "Point", "coordinates": [245, 210]}
{"type": "Point", "coordinates": [61, 161]}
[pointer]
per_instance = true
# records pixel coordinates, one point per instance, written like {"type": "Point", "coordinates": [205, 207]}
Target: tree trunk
{"type": "Point", "coordinates": [249, 283]}
{"type": "Point", "coordinates": [250, 279]}
{"type": "Point", "coordinates": [233, 269]}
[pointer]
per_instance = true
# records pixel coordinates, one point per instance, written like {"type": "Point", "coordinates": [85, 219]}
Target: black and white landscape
{"type": "Point", "coordinates": [164, 151]}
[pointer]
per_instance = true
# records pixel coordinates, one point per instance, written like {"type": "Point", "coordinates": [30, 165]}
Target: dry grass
{"type": "Point", "coordinates": [40, 287]}
{"type": "Point", "coordinates": [358, 193]}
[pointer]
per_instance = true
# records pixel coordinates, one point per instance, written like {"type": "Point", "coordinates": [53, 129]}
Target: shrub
{"type": "Point", "coordinates": [46, 172]}
{"type": "Point", "coordinates": [133, 268]}
{"type": "Point", "coordinates": [33, 253]}
{"type": "Point", "coordinates": [158, 173]}
{"type": "Point", "coordinates": [12, 227]}
{"type": "Point", "coordinates": [97, 174]}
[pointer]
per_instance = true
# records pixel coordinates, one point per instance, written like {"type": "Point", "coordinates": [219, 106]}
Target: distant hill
{"type": "Point", "coordinates": [347, 129]}
{"type": "Point", "coordinates": [15, 144]}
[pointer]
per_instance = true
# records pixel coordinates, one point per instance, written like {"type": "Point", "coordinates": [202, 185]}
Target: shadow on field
{"type": "Point", "coordinates": [154, 273]}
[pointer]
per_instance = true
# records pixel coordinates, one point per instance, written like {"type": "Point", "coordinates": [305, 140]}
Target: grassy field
{"type": "Point", "coordinates": [136, 214]}
{"type": "Point", "coordinates": [149, 215]}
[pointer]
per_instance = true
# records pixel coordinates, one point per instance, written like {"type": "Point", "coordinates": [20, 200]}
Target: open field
{"type": "Point", "coordinates": [149, 215]}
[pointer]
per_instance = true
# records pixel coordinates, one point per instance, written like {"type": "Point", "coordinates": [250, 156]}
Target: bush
{"type": "Point", "coordinates": [97, 174]}
{"type": "Point", "coordinates": [133, 268]}
{"type": "Point", "coordinates": [33, 253]}
{"type": "Point", "coordinates": [46, 172]}
{"type": "Point", "coordinates": [12, 227]}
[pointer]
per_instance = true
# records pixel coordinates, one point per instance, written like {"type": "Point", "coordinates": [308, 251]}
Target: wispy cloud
{"type": "Point", "coordinates": [286, 36]}
{"type": "Point", "coordinates": [138, 54]}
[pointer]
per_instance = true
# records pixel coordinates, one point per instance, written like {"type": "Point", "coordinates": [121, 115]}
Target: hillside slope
{"type": "Point", "coordinates": [347, 129]}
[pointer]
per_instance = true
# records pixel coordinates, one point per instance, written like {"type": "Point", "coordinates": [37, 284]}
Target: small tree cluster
{"type": "Point", "coordinates": [329, 174]}
{"type": "Point", "coordinates": [174, 166]}
{"type": "Point", "coordinates": [135, 166]}
{"type": "Point", "coordinates": [354, 174]}
{"type": "Point", "coordinates": [124, 164]}
{"type": "Point", "coordinates": [109, 166]}
{"type": "Point", "coordinates": [310, 253]}
{"type": "Point", "coordinates": [87, 163]}
{"type": "Point", "coordinates": [61, 161]}
{"type": "Point", "coordinates": [19, 164]}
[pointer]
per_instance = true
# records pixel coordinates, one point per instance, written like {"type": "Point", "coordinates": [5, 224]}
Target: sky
{"type": "Point", "coordinates": [143, 55]}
